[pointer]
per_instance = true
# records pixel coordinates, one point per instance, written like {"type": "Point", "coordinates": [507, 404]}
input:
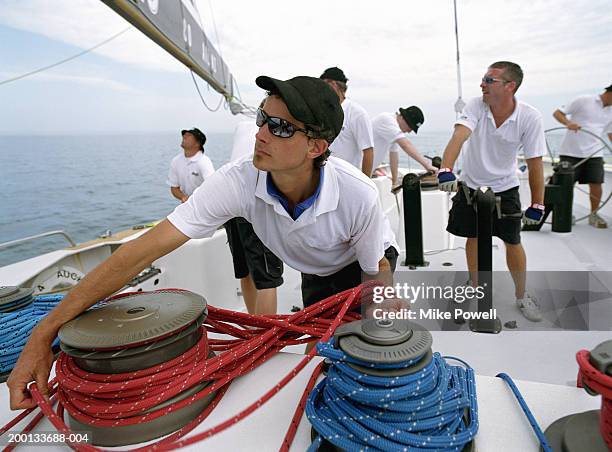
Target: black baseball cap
{"type": "Point", "coordinates": [198, 134]}
{"type": "Point", "coordinates": [608, 89]}
{"type": "Point", "coordinates": [413, 116]}
{"type": "Point", "coordinates": [334, 73]}
{"type": "Point", "coordinates": [309, 100]}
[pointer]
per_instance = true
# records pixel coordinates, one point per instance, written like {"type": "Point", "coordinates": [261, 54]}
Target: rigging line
{"type": "Point", "coordinates": [66, 59]}
{"type": "Point", "coordinates": [202, 98]}
{"type": "Point", "coordinates": [459, 104]}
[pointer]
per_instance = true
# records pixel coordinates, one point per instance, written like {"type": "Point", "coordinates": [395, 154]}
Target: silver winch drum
{"type": "Point", "coordinates": [581, 431]}
{"type": "Point", "coordinates": [385, 341]}
{"type": "Point", "coordinates": [133, 333]}
{"type": "Point", "coordinates": [13, 298]}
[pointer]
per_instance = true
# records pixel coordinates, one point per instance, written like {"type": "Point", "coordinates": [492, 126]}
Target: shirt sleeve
{"type": "Point", "coordinates": [470, 115]}
{"type": "Point", "coordinates": [207, 167]}
{"type": "Point", "coordinates": [173, 180]}
{"type": "Point", "coordinates": [363, 131]}
{"type": "Point", "coordinates": [368, 240]}
{"type": "Point", "coordinates": [533, 140]}
{"type": "Point", "coordinates": [213, 203]}
{"type": "Point", "coordinates": [573, 107]}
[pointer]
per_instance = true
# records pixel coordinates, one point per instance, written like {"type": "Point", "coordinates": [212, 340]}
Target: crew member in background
{"type": "Point", "coordinates": [189, 168]}
{"type": "Point", "coordinates": [494, 127]}
{"type": "Point", "coordinates": [390, 132]}
{"type": "Point", "coordinates": [355, 142]}
{"type": "Point", "coordinates": [259, 270]}
{"type": "Point", "coordinates": [594, 114]}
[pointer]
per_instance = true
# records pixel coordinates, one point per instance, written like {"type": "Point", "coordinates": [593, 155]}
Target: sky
{"type": "Point", "coordinates": [394, 53]}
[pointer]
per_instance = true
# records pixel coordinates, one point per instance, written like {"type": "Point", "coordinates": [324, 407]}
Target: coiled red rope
{"type": "Point", "coordinates": [602, 384]}
{"type": "Point", "coordinates": [107, 400]}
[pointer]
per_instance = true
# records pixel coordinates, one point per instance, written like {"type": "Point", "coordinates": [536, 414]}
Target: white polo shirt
{"type": "Point", "coordinates": [355, 136]}
{"type": "Point", "coordinates": [589, 112]}
{"type": "Point", "coordinates": [189, 173]}
{"type": "Point", "coordinates": [386, 132]}
{"type": "Point", "coordinates": [490, 154]}
{"type": "Point", "coordinates": [345, 224]}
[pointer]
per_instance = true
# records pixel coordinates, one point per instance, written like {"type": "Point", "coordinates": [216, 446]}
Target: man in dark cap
{"type": "Point", "coordinates": [390, 132]}
{"type": "Point", "coordinates": [355, 142]}
{"type": "Point", "coordinates": [320, 216]}
{"type": "Point", "coordinates": [592, 113]}
{"type": "Point", "coordinates": [189, 168]}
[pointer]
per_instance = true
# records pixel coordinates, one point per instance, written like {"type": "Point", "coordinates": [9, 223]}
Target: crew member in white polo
{"type": "Point", "coordinates": [355, 143]}
{"type": "Point", "coordinates": [189, 168]}
{"type": "Point", "coordinates": [493, 128]}
{"type": "Point", "coordinates": [594, 114]}
{"type": "Point", "coordinates": [320, 216]}
{"type": "Point", "coordinates": [390, 134]}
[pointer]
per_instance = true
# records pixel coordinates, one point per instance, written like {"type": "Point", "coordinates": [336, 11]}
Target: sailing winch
{"type": "Point", "coordinates": [386, 389]}
{"type": "Point", "coordinates": [128, 342]}
{"type": "Point", "coordinates": [13, 298]}
{"type": "Point", "coordinates": [590, 430]}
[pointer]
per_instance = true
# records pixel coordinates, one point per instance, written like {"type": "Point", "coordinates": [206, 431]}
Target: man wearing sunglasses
{"type": "Point", "coordinates": [594, 114]}
{"type": "Point", "coordinates": [355, 143]}
{"type": "Point", "coordinates": [494, 127]}
{"type": "Point", "coordinates": [323, 219]}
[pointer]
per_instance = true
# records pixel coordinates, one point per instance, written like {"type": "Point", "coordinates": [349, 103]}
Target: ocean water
{"type": "Point", "coordinates": [86, 185]}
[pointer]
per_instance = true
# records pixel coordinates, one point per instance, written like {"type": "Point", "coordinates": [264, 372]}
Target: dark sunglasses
{"type": "Point", "coordinates": [279, 127]}
{"type": "Point", "coordinates": [491, 80]}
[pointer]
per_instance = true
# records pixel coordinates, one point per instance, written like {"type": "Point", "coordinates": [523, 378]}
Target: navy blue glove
{"type": "Point", "coordinates": [533, 214]}
{"type": "Point", "coordinates": [447, 180]}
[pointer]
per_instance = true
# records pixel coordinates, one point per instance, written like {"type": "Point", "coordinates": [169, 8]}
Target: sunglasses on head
{"type": "Point", "coordinates": [279, 127]}
{"type": "Point", "coordinates": [491, 80]}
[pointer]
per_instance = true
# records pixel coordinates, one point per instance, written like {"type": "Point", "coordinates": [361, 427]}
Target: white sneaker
{"type": "Point", "coordinates": [529, 308]}
{"type": "Point", "coordinates": [597, 222]}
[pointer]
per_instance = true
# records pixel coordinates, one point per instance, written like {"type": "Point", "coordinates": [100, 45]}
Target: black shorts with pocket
{"type": "Point", "coordinates": [590, 172]}
{"type": "Point", "coordinates": [463, 220]}
{"type": "Point", "coordinates": [251, 256]}
{"type": "Point", "coordinates": [316, 288]}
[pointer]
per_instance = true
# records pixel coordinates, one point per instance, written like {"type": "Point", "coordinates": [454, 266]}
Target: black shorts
{"type": "Point", "coordinates": [250, 256]}
{"type": "Point", "coordinates": [590, 172]}
{"type": "Point", "coordinates": [316, 288]}
{"type": "Point", "coordinates": [463, 220]}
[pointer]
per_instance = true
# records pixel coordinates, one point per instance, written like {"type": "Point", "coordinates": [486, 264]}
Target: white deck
{"type": "Point", "coordinates": [502, 424]}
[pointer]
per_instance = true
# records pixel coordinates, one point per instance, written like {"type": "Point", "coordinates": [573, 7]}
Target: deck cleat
{"type": "Point", "coordinates": [137, 332]}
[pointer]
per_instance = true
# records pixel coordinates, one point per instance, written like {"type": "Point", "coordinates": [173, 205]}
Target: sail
{"type": "Point", "coordinates": [176, 27]}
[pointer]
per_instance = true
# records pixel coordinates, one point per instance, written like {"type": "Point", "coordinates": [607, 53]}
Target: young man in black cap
{"type": "Point", "coordinates": [323, 219]}
{"type": "Point", "coordinates": [189, 168]}
{"type": "Point", "coordinates": [593, 113]}
{"type": "Point", "coordinates": [390, 132]}
{"type": "Point", "coordinates": [355, 142]}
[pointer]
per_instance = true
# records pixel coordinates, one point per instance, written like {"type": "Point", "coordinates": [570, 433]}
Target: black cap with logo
{"type": "Point", "coordinates": [309, 100]}
{"type": "Point", "coordinates": [198, 134]}
{"type": "Point", "coordinates": [413, 116]}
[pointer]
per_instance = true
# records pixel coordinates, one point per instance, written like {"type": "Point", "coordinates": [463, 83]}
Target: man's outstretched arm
{"type": "Point", "coordinates": [34, 363]}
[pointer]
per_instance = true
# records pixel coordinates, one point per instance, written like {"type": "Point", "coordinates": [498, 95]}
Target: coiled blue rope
{"type": "Point", "coordinates": [417, 412]}
{"type": "Point", "coordinates": [534, 424]}
{"type": "Point", "coordinates": [16, 326]}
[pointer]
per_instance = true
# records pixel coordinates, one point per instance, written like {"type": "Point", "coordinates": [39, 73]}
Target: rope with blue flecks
{"type": "Point", "coordinates": [423, 411]}
{"type": "Point", "coordinates": [16, 326]}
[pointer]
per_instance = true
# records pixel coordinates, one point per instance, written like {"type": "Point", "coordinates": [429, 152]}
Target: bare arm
{"type": "Point", "coordinates": [178, 194]}
{"type": "Point", "coordinates": [111, 275]}
{"type": "Point", "coordinates": [610, 136]}
{"type": "Point", "coordinates": [562, 118]}
{"type": "Point", "coordinates": [453, 148]}
{"type": "Point", "coordinates": [368, 161]}
{"type": "Point", "coordinates": [536, 179]}
{"type": "Point", "coordinates": [413, 152]}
